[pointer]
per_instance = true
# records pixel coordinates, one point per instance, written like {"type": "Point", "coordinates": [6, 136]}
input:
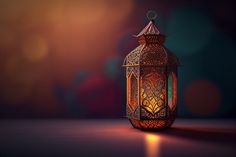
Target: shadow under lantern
{"type": "Point", "coordinates": [151, 73]}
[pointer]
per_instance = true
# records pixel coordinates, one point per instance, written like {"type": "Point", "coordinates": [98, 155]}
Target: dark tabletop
{"type": "Point", "coordinates": [116, 138]}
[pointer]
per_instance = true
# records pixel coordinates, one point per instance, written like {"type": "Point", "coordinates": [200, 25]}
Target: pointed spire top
{"type": "Point", "coordinates": [151, 28]}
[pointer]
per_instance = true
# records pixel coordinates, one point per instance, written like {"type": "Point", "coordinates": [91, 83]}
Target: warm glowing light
{"type": "Point", "coordinates": [84, 14]}
{"type": "Point", "coordinates": [87, 13]}
{"type": "Point", "coordinates": [152, 145]}
{"type": "Point", "coordinates": [35, 48]}
{"type": "Point", "coordinates": [148, 87]}
{"type": "Point", "coordinates": [153, 102]}
{"type": "Point", "coordinates": [76, 25]}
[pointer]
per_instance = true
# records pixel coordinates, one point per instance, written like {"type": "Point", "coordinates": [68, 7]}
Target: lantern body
{"type": "Point", "coordinates": [151, 74]}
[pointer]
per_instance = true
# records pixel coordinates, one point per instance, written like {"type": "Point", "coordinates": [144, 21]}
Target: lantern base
{"type": "Point", "coordinates": [151, 124]}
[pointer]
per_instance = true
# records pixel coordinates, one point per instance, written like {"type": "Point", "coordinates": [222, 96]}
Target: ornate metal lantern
{"type": "Point", "coordinates": [151, 73]}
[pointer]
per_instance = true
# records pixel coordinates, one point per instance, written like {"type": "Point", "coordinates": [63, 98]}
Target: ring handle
{"type": "Point", "coordinates": [151, 15]}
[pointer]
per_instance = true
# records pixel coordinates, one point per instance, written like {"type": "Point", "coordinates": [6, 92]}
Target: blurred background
{"type": "Point", "coordinates": [62, 58]}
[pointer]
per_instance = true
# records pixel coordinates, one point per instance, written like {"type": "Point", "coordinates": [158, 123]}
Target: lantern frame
{"type": "Point", "coordinates": [148, 69]}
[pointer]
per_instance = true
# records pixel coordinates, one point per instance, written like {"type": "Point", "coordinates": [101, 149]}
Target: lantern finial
{"type": "Point", "coordinates": [151, 28]}
{"type": "Point", "coordinates": [151, 15]}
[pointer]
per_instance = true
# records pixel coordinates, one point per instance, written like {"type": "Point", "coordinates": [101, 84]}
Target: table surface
{"type": "Point", "coordinates": [116, 138]}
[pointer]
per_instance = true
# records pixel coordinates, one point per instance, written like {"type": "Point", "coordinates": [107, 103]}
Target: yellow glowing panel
{"type": "Point", "coordinates": [153, 93]}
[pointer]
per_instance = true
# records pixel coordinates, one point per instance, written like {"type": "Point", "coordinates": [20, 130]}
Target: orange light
{"type": "Point", "coordinates": [152, 145]}
{"type": "Point", "coordinates": [35, 49]}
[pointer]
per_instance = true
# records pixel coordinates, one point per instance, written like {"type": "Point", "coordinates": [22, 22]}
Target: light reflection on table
{"type": "Point", "coordinates": [152, 143]}
{"type": "Point", "coordinates": [115, 138]}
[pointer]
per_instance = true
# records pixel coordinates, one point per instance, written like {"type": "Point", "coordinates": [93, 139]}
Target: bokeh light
{"type": "Point", "coordinates": [219, 57]}
{"type": "Point", "coordinates": [98, 88]}
{"type": "Point", "coordinates": [81, 76]}
{"type": "Point", "coordinates": [202, 97]}
{"type": "Point", "coordinates": [188, 31]}
{"type": "Point", "coordinates": [113, 67]}
{"type": "Point", "coordinates": [35, 48]}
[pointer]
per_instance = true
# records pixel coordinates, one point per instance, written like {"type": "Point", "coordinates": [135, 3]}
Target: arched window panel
{"type": "Point", "coordinates": [132, 70]}
{"type": "Point", "coordinates": [153, 92]}
{"type": "Point", "coordinates": [172, 90]}
{"type": "Point", "coordinates": [174, 77]}
{"type": "Point", "coordinates": [132, 90]}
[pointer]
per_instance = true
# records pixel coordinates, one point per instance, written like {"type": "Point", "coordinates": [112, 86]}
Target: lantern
{"type": "Point", "coordinates": [151, 74]}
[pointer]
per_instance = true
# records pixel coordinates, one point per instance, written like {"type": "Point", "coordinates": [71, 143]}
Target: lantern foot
{"type": "Point", "coordinates": [151, 124]}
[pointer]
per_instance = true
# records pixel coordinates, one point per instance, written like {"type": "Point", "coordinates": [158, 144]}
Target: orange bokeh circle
{"type": "Point", "coordinates": [202, 97]}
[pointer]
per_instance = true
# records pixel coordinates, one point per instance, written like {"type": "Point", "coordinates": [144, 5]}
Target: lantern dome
{"type": "Point", "coordinates": [151, 51]}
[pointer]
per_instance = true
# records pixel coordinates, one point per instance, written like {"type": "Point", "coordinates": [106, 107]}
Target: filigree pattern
{"type": "Point", "coordinates": [154, 123]}
{"type": "Point", "coordinates": [136, 113]}
{"type": "Point", "coordinates": [129, 112]}
{"type": "Point", "coordinates": [133, 92]}
{"type": "Point", "coordinates": [134, 56]}
{"type": "Point", "coordinates": [151, 124]}
{"type": "Point", "coordinates": [153, 91]}
{"type": "Point", "coordinates": [132, 70]}
{"type": "Point", "coordinates": [147, 69]}
{"type": "Point", "coordinates": [132, 113]}
{"type": "Point", "coordinates": [147, 115]}
{"type": "Point", "coordinates": [172, 59]}
{"type": "Point", "coordinates": [153, 54]}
